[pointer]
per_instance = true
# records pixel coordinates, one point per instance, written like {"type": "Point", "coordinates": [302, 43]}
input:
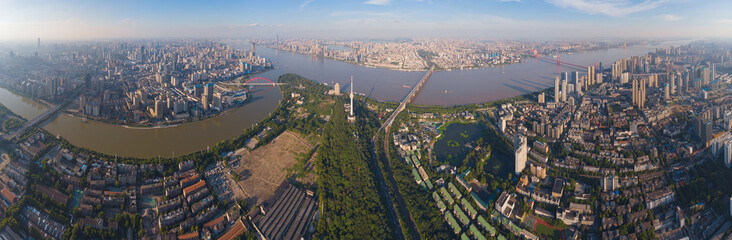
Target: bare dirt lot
{"type": "Point", "coordinates": [262, 170]}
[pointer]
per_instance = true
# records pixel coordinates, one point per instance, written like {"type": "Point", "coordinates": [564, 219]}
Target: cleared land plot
{"type": "Point", "coordinates": [261, 171]}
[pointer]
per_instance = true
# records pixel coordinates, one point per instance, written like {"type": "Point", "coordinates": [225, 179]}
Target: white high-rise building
{"type": "Point", "coordinates": [564, 90]}
{"type": "Point", "coordinates": [556, 90]}
{"type": "Point", "coordinates": [337, 89]}
{"type": "Point", "coordinates": [520, 150]}
{"type": "Point", "coordinates": [351, 116]}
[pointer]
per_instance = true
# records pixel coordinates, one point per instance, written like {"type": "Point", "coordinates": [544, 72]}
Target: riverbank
{"type": "Point", "coordinates": [524, 58]}
{"type": "Point", "coordinates": [37, 100]}
{"type": "Point", "coordinates": [155, 125]}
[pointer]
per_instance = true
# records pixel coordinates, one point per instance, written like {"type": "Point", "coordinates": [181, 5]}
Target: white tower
{"type": "Point", "coordinates": [351, 95]}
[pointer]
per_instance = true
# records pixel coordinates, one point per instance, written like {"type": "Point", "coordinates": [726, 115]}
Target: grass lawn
{"type": "Point", "coordinates": [546, 231]}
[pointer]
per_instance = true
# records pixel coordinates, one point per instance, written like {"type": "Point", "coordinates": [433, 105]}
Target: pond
{"type": "Point", "coordinates": [76, 199]}
{"type": "Point", "coordinates": [148, 202]}
{"type": "Point", "coordinates": [456, 142]}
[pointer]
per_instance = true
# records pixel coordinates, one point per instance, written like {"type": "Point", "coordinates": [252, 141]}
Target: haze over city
{"type": "Point", "coordinates": [366, 119]}
{"type": "Point", "coordinates": [491, 19]}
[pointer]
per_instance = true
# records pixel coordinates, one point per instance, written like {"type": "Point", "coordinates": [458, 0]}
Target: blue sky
{"type": "Point", "coordinates": [331, 19]}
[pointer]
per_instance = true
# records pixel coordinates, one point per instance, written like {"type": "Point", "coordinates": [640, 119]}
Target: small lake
{"type": "Point", "coordinates": [456, 142]}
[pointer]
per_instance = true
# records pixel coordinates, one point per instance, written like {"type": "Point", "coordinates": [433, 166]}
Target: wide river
{"type": "Point", "coordinates": [443, 88]}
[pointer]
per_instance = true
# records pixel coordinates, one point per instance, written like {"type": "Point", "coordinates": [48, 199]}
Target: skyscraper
{"type": "Point", "coordinates": [205, 102]}
{"type": "Point", "coordinates": [208, 89]}
{"type": "Point", "coordinates": [590, 76]}
{"type": "Point", "coordinates": [639, 93]}
{"type": "Point", "coordinates": [578, 86]}
{"type": "Point", "coordinates": [564, 90]}
{"type": "Point", "coordinates": [351, 116]}
{"type": "Point", "coordinates": [520, 150]}
{"type": "Point", "coordinates": [337, 89]}
{"type": "Point", "coordinates": [574, 76]}
{"type": "Point", "coordinates": [159, 108]}
{"type": "Point", "coordinates": [728, 154]}
{"type": "Point", "coordinates": [556, 90]}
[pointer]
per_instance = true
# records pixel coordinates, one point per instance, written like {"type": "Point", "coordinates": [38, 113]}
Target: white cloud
{"type": "Point", "coordinates": [305, 4]}
{"type": "Point", "coordinates": [669, 17]}
{"type": "Point", "coordinates": [361, 13]}
{"type": "Point", "coordinates": [378, 2]}
{"type": "Point", "coordinates": [128, 21]}
{"type": "Point", "coordinates": [616, 8]}
{"type": "Point", "coordinates": [254, 25]}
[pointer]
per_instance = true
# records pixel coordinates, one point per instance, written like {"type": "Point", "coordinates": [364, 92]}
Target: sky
{"type": "Point", "coordinates": [26, 20]}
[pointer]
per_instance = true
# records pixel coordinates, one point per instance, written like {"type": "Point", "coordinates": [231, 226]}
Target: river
{"type": "Point", "coordinates": [443, 88]}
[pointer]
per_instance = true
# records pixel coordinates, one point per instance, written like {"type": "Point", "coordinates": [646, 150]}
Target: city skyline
{"type": "Point", "coordinates": [378, 19]}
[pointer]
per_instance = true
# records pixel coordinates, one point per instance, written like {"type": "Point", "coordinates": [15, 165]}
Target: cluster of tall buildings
{"type": "Point", "coordinates": [639, 93]}
{"type": "Point", "coordinates": [568, 85]}
{"type": "Point", "coordinates": [165, 80]}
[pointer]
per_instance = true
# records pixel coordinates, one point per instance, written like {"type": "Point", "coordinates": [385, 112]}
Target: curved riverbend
{"type": "Point", "coordinates": [444, 88]}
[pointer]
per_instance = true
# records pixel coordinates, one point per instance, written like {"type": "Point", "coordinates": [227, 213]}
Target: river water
{"type": "Point", "coordinates": [443, 88]}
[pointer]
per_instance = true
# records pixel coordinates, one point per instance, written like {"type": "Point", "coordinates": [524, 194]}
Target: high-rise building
{"type": "Point", "coordinates": [624, 77]}
{"type": "Point", "coordinates": [541, 98]}
{"type": "Point", "coordinates": [565, 91]}
{"type": "Point", "coordinates": [82, 102]}
{"type": "Point", "coordinates": [351, 116]}
{"type": "Point", "coordinates": [578, 86]}
{"type": "Point", "coordinates": [557, 97]}
{"type": "Point", "coordinates": [609, 183]}
{"type": "Point", "coordinates": [159, 108]}
{"type": "Point", "coordinates": [666, 92]}
{"type": "Point", "coordinates": [573, 76]}
{"type": "Point", "coordinates": [520, 151]}
{"type": "Point", "coordinates": [197, 90]}
{"type": "Point", "coordinates": [141, 54]}
{"type": "Point", "coordinates": [653, 80]}
{"type": "Point", "coordinates": [639, 93]}
{"type": "Point", "coordinates": [728, 154]}
{"type": "Point", "coordinates": [208, 89]}
{"type": "Point", "coordinates": [174, 81]}
{"type": "Point", "coordinates": [590, 76]}
{"type": "Point", "coordinates": [337, 89]}
{"type": "Point", "coordinates": [599, 77]}
{"type": "Point", "coordinates": [205, 102]}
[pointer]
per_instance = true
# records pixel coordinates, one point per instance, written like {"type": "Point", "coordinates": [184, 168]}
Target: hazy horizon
{"type": "Point", "coordinates": [367, 19]}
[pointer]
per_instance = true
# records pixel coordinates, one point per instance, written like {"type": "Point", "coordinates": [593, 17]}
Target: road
{"type": "Point", "coordinates": [384, 192]}
{"type": "Point", "coordinates": [381, 182]}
